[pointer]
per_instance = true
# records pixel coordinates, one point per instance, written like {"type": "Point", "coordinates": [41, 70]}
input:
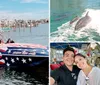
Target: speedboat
{"type": "Point", "coordinates": [18, 54]}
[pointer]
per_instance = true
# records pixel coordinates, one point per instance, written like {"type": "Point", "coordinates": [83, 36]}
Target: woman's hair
{"type": "Point", "coordinates": [79, 54]}
{"type": "Point", "coordinates": [85, 57]}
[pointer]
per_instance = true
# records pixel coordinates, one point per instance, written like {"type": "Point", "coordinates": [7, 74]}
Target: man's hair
{"type": "Point", "coordinates": [68, 49]}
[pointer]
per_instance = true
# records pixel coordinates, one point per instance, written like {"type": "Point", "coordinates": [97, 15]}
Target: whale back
{"type": "Point", "coordinates": [83, 22]}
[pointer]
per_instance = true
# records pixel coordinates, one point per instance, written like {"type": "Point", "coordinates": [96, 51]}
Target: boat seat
{"type": "Point", "coordinates": [55, 66]}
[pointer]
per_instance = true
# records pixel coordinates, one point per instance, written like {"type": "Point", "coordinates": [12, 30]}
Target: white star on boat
{"type": "Point", "coordinates": [8, 64]}
{"type": "Point", "coordinates": [30, 59]}
{"type": "Point", "coordinates": [12, 60]}
{"type": "Point", "coordinates": [6, 58]}
{"type": "Point", "coordinates": [23, 60]}
{"type": "Point", "coordinates": [17, 59]}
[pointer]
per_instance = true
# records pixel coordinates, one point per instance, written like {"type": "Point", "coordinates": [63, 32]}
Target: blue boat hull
{"type": "Point", "coordinates": [11, 60]}
{"type": "Point", "coordinates": [23, 55]}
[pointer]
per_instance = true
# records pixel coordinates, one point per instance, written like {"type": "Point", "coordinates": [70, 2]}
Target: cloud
{"type": "Point", "coordinates": [34, 1]}
{"type": "Point", "coordinates": [26, 15]}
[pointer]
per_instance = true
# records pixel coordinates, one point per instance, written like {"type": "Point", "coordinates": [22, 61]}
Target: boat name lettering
{"type": "Point", "coordinates": [33, 53]}
{"type": "Point", "coordinates": [17, 52]}
{"type": "Point", "coordinates": [24, 52]}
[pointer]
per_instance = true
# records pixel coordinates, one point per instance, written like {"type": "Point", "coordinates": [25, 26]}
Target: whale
{"type": "Point", "coordinates": [83, 22]}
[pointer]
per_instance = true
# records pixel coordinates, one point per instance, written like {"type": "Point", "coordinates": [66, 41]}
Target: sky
{"type": "Point", "coordinates": [24, 9]}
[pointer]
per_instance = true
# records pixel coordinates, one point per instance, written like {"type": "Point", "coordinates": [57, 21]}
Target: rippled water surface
{"type": "Point", "coordinates": [23, 76]}
{"type": "Point", "coordinates": [36, 35]}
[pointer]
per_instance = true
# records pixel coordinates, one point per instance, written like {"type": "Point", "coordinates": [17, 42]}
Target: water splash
{"type": "Point", "coordinates": [91, 32]}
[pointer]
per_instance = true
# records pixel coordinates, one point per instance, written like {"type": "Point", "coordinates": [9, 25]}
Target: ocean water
{"type": "Point", "coordinates": [36, 35]}
{"type": "Point", "coordinates": [23, 76]}
{"type": "Point", "coordinates": [63, 11]}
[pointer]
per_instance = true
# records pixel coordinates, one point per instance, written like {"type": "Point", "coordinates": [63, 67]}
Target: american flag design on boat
{"type": "Point", "coordinates": [17, 54]}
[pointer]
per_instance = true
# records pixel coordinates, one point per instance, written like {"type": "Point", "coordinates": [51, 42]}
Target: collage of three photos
{"type": "Point", "coordinates": [49, 42]}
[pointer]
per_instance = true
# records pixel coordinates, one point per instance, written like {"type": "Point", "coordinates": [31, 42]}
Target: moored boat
{"type": "Point", "coordinates": [18, 54]}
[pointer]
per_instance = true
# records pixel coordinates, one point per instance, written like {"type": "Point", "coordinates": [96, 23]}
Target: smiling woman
{"type": "Point", "coordinates": [88, 74]}
{"type": "Point", "coordinates": [81, 61]}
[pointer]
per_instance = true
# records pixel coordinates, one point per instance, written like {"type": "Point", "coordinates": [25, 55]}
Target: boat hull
{"type": "Point", "coordinates": [12, 60]}
{"type": "Point", "coordinates": [17, 55]}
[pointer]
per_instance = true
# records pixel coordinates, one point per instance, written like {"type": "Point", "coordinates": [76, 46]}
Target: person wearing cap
{"type": "Point", "coordinates": [89, 75]}
{"type": "Point", "coordinates": [66, 74]}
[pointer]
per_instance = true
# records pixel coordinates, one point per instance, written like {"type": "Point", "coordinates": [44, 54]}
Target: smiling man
{"type": "Point", "coordinates": [66, 74]}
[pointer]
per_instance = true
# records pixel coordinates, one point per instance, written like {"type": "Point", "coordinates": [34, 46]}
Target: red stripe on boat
{"type": "Point", "coordinates": [2, 61]}
{"type": "Point", "coordinates": [2, 50]}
